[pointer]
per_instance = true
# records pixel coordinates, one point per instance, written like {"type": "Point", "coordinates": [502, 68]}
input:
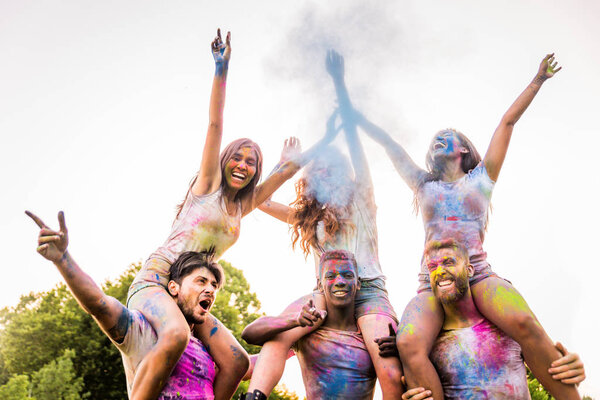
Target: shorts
{"type": "Point", "coordinates": [154, 272]}
{"type": "Point", "coordinates": [483, 270]}
{"type": "Point", "coordinates": [372, 298]}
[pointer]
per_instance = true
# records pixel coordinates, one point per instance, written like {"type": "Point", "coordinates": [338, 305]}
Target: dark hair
{"type": "Point", "coordinates": [337, 255]}
{"type": "Point", "coordinates": [449, 243]}
{"type": "Point", "coordinates": [190, 261]}
{"type": "Point", "coordinates": [226, 154]}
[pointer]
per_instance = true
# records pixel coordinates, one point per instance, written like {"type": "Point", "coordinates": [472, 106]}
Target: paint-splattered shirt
{"type": "Point", "coordinates": [360, 241]}
{"type": "Point", "coordinates": [480, 362]}
{"type": "Point", "coordinates": [193, 376]}
{"type": "Point", "coordinates": [203, 223]}
{"type": "Point", "coordinates": [335, 365]}
{"type": "Point", "coordinates": [458, 210]}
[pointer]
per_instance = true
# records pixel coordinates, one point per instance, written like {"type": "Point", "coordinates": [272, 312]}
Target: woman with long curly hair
{"type": "Point", "coordinates": [453, 195]}
{"type": "Point", "coordinates": [223, 191]}
{"type": "Point", "coordinates": [334, 210]}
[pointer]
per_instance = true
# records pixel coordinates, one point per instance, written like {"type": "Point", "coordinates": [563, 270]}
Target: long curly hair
{"type": "Point", "coordinates": [228, 152]}
{"type": "Point", "coordinates": [323, 195]}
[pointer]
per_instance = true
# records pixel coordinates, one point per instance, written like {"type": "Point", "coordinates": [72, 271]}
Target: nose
{"type": "Point", "coordinates": [209, 289]}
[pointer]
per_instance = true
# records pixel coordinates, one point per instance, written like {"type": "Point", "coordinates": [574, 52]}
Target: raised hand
{"type": "Point", "coordinates": [548, 67]}
{"type": "Point", "coordinates": [309, 315]}
{"type": "Point", "coordinates": [569, 368]}
{"type": "Point", "coordinates": [334, 63]}
{"type": "Point", "coordinates": [52, 245]}
{"type": "Point", "coordinates": [221, 51]}
{"type": "Point", "coordinates": [332, 131]}
{"type": "Point", "coordinates": [291, 149]}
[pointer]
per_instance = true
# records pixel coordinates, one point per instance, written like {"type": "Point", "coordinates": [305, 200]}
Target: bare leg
{"type": "Point", "coordinates": [228, 354]}
{"type": "Point", "coordinates": [503, 305]}
{"type": "Point", "coordinates": [173, 333]}
{"type": "Point", "coordinates": [420, 325]}
{"type": "Point", "coordinates": [271, 360]}
{"type": "Point", "coordinates": [389, 369]}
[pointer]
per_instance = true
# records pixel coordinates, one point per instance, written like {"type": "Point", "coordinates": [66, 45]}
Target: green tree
{"type": "Point", "coordinates": [57, 380]}
{"type": "Point", "coordinates": [17, 388]}
{"type": "Point", "coordinates": [56, 317]}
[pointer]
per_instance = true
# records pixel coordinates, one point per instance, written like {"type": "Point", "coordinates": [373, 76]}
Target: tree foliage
{"type": "Point", "coordinates": [47, 340]}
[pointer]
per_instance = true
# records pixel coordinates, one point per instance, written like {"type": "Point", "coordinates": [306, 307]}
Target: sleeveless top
{"type": "Point", "coordinates": [458, 210]}
{"type": "Point", "coordinates": [360, 241]}
{"type": "Point", "coordinates": [203, 223]}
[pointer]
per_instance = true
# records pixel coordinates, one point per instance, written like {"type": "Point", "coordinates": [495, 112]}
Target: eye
{"type": "Point", "coordinates": [348, 275]}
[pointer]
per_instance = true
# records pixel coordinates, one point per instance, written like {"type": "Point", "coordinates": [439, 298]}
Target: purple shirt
{"type": "Point", "coordinates": [193, 375]}
{"type": "Point", "coordinates": [480, 362]}
{"type": "Point", "coordinates": [336, 365]}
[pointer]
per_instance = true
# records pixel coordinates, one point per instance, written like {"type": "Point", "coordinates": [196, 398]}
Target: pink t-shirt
{"type": "Point", "coordinates": [193, 375]}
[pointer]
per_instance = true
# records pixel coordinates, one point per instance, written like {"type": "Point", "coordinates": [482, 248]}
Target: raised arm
{"type": "Point", "coordinates": [112, 317]}
{"type": "Point", "coordinates": [406, 167]}
{"type": "Point", "coordinates": [209, 175]}
{"type": "Point", "coordinates": [266, 328]}
{"type": "Point", "coordinates": [494, 157]}
{"type": "Point", "coordinates": [335, 66]}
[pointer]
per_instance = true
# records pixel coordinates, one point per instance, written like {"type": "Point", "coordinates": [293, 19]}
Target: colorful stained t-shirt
{"type": "Point", "coordinates": [335, 365]}
{"type": "Point", "coordinates": [360, 241]}
{"type": "Point", "coordinates": [458, 210]}
{"type": "Point", "coordinates": [203, 223]}
{"type": "Point", "coordinates": [191, 379]}
{"type": "Point", "coordinates": [480, 362]}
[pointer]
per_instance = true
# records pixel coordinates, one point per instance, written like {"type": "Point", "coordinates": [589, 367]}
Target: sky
{"type": "Point", "coordinates": [104, 109]}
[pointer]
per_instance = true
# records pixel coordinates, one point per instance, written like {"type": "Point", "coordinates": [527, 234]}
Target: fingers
{"type": "Point", "coordinates": [36, 219]}
{"type": "Point", "coordinates": [417, 394]}
{"type": "Point", "coordinates": [228, 39]}
{"type": "Point", "coordinates": [43, 249]}
{"type": "Point", "coordinates": [392, 330]}
{"type": "Point", "coordinates": [61, 222]}
{"type": "Point", "coordinates": [219, 34]}
{"type": "Point", "coordinates": [49, 239]}
{"type": "Point", "coordinates": [559, 346]}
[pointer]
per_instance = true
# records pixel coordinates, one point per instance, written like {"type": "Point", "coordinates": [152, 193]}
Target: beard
{"type": "Point", "coordinates": [461, 286]}
{"type": "Point", "coordinates": [187, 309]}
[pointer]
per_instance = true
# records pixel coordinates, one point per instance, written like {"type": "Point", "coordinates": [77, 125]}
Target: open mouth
{"type": "Point", "coordinates": [205, 304]}
{"type": "Point", "coordinates": [444, 283]}
{"type": "Point", "coordinates": [340, 293]}
{"type": "Point", "coordinates": [439, 145]}
{"type": "Point", "coordinates": [238, 176]}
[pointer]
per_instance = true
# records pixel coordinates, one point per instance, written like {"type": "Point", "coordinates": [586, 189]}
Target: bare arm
{"type": "Point", "coordinates": [209, 175]}
{"type": "Point", "coordinates": [112, 317]}
{"type": "Point", "coordinates": [494, 157]}
{"type": "Point", "coordinates": [266, 328]}
{"type": "Point", "coordinates": [569, 368]}
{"type": "Point", "coordinates": [276, 210]}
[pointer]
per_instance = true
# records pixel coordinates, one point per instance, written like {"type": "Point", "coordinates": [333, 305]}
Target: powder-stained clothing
{"type": "Point", "coordinates": [360, 241]}
{"type": "Point", "coordinates": [193, 375]}
{"type": "Point", "coordinates": [203, 223]}
{"type": "Point", "coordinates": [335, 365]}
{"type": "Point", "coordinates": [458, 210]}
{"type": "Point", "coordinates": [480, 362]}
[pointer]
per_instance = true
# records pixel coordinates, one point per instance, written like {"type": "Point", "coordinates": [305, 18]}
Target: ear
{"type": "Point", "coordinates": [173, 288]}
{"type": "Point", "coordinates": [464, 150]}
{"type": "Point", "coordinates": [470, 270]}
{"type": "Point", "coordinates": [320, 286]}
{"type": "Point", "coordinates": [357, 284]}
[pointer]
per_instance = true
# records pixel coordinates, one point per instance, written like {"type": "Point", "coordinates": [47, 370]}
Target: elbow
{"type": "Point", "coordinates": [251, 336]}
{"type": "Point", "coordinates": [509, 120]}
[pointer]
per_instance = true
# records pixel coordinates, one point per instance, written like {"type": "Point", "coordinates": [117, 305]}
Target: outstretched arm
{"type": "Point", "coordinates": [406, 167]}
{"type": "Point", "coordinates": [494, 157]}
{"type": "Point", "coordinates": [266, 328]}
{"type": "Point", "coordinates": [335, 66]}
{"type": "Point", "coordinates": [112, 317]}
{"type": "Point", "coordinates": [209, 175]}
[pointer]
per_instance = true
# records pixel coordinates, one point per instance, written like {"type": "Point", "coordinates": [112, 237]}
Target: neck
{"type": "Point", "coordinates": [341, 318]}
{"type": "Point", "coordinates": [452, 170]}
{"type": "Point", "coordinates": [462, 313]}
{"type": "Point", "coordinates": [229, 194]}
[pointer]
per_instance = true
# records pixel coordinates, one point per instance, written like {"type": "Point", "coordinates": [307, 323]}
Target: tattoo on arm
{"type": "Point", "coordinates": [118, 332]}
{"type": "Point", "coordinates": [539, 79]}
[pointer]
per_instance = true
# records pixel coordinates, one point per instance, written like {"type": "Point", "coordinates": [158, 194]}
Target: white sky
{"type": "Point", "coordinates": [103, 111]}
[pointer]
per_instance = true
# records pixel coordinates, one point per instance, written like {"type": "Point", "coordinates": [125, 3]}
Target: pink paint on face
{"type": "Point", "coordinates": [446, 143]}
{"type": "Point", "coordinates": [339, 282]}
{"type": "Point", "coordinates": [241, 168]}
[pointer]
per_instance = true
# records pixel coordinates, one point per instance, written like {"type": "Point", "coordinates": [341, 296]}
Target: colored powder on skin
{"type": "Point", "coordinates": [213, 331]}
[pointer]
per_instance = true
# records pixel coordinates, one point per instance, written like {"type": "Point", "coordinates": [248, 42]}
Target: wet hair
{"type": "Point", "coordinates": [190, 261]}
{"type": "Point", "coordinates": [337, 255]}
{"type": "Point", "coordinates": [317, 202]}
{"type": "Point", "coordinates": [228, 152]}
{"type": "Point", "coordinates": [449, 243]}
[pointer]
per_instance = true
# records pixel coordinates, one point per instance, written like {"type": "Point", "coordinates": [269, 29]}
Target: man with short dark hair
{"type": "Point", "coordinates": [195, 281]}
{"type": "Point", "coordinates": [474, 358]}
{"type": "Point", "coordinates": [334, 360]}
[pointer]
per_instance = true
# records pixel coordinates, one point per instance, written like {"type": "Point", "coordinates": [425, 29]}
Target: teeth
{"type": "Point", "coordinates": [239, 176]}
{"type": "Point", "coordinates": [446, 282]}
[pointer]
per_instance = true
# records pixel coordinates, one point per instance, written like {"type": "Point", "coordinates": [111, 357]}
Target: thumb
{"type": "Point", "coordinates": [559, 346]}
{"type": "Point", "coordinates": [61, 222]}
{"type": "Point", "coordinates": [392, 330]}
{"type": "Point", "coordinates": [323, 314]}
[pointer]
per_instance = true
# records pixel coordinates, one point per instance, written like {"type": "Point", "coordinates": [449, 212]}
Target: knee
{"type": "Point", "coordinates": [409, 346]}
{"type": "Point", "coordinates": [526, 327]}
{"type": "Point", "coordinates": [174, 340]}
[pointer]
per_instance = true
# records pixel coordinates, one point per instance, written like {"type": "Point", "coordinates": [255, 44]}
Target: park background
{"type": "Point", "coordinates": [104, 110]}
